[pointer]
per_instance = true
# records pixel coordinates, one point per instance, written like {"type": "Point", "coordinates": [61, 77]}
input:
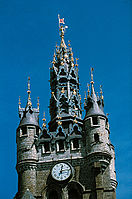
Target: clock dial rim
{"type": "Point", "coordinates": [59, 171]}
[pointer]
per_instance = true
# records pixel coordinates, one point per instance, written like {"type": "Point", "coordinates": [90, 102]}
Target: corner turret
{"type": "Point", "coordinates": [99, 150]}
{"type": "Point", "coordinates": [27, 132]}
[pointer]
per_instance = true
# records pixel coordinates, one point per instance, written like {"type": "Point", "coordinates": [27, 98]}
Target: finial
{"type": "Point", "coordinates": [53, 62]}
{"type": "Point", "coordinates": [19, 101]}
{"type": "Point", "coordinates": [63, 90]}
{"type": "Point", "coordinates": [75, 121]}
{"type": "Point", "coordinates": [101, 92]}
{"type": "Point", "coordinates": [69, 43]}
{"type": "Point", "coordinates": [54, 54]}
{"type": "Point", "coordinates": [38, 102]}
{"type": "Point", "coordinates": [85, 95]}
{"type": "Point", "coordinates": [29, 91]}
{"type": "Point", "coordinates": [77, 71]}
{"type": "Point", "coordinates": [29, 85]}
{"type": "Point", "coordinates": [80, 97]}
{"type": "Point", "coordinates": [88, 85]}
{"type": "Point", "coordinates": [65, 55]}
{"type": "Point", "coordinates": [59, 117]}
{"type": "Point", "coordinates": [44, 120]}
{"type": "Point", "coordinates": [72, 59]}
{"type": "Point", "coordinates": [52, 93]}
{"type": "Point", "coordinates": [76, 62]}
{"type": "Point", "coordinates": [74, 92]}
{"type": "Point", "coordinates": [92, 69]}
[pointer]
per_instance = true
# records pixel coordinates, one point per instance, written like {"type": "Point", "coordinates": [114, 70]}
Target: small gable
{"type": "Point", "coordinates": [60, 132]}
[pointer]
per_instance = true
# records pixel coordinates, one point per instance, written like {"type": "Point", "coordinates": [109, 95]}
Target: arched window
{"type": "Point", "coordinates": [62, 72]}
{"type": "Point", "coordinates": [76, 131]}
{"type": "Point", "coordinates": [96, 137]}
{"type": "Point", "coordinates": [95, 120]}
{"type": "Point", "coordinates": [73, 74]}
{"type": "Point", "coordinates": [61, 145]}
{"type": "Point", "coordinates": [47, 147]}
{"type": "Point", "coordinates": [75, 190]}
{"type": "Point", "coordinates": [73, 194]}
{"type": "Point", "coordinates": [75, 143]}
{"type": "Point", "coordinates": [24, 130]}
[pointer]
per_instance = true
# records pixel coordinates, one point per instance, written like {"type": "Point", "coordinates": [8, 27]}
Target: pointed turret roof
{"type": "Point", "coordinates": [28, 195]}
{"type": "Point", "coordinates": [93, 104]}
{"type": "Point", "coordinates": [29, 115]}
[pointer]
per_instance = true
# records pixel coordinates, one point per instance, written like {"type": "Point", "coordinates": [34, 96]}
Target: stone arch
{"type": "Point", "coordinates": [53, 194]}
{"type": "Point", "coordinates": [63, 104]}
{"type": "Point", "coordinates": [75, 190]}
{"type": "Point", "coordinates": [52, 191]}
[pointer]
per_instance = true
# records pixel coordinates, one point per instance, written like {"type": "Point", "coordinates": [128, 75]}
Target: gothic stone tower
{"type": "Point", "coordinates": [73, 158]}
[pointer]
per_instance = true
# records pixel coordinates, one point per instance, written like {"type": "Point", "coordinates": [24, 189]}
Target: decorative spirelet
{"type": "Point", "coordinates": [101, 93]}
{"type": "Point", "coordinates": [38, 103]}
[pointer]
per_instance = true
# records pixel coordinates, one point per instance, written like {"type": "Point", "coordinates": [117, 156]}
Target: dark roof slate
{"type": "Point", "coordinates": [29, 118]}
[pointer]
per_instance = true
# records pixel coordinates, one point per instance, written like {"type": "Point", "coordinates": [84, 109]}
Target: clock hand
{"type": "Point", "coordinates": [61, 170]}
{"type": "Point", "coordinates": [65, 169]}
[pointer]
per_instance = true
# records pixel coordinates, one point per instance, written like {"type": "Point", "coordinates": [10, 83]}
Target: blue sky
{"type": "Point", "coordinates": [100, 36]}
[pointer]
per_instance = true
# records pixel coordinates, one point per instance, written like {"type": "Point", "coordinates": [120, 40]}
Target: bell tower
{"type": "Point", "coordinates": [71, 157]}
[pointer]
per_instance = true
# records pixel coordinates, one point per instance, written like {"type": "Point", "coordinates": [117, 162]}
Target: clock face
{"type": "Point", "coordinates": [61, 171]}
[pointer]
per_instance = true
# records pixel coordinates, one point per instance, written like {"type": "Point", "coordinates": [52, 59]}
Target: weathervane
{"type": "Point", "coordinates": [62, 30]}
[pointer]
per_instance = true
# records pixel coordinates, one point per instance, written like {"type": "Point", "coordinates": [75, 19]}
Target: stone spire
{"type": "Point", "coordinates": [64, 81]}
{"type": "Point", "coordinates": [93, 104]}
